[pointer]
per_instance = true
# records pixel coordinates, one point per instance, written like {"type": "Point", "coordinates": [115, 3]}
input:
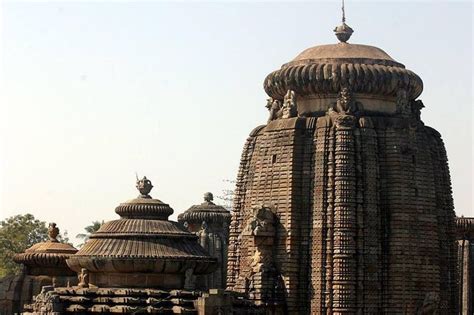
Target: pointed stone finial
{"type": "Point", "coordinates": [208, 197]}
{"type": "Point", "coordinates": [144, 186]}
{"type": "Point", "coordinates": [53, 232]}
{"type": "Point", "coordinates": [343, 31]}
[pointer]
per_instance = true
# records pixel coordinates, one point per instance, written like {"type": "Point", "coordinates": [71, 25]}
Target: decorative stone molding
{"type": "Point", "coordinates": [321, 78]}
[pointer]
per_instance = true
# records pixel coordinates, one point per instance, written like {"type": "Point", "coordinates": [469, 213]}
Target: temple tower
{"type": "Point", "coordinates": [356, 190]}
{"type": "Point", "coordinates": [210, 222]}
{"type": "Point", "coordinates": [465, 240]}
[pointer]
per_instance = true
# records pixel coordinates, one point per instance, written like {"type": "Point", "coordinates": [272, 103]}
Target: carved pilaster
{"type": "Point", "coordinates": [345, 248]}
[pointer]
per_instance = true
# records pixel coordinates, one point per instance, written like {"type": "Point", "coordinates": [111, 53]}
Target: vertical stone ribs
{"type": "Point", "coordinates": [239, 199]}
{"type": "Point", "coordinates": [445, 217]}
{"type": "Point", "coordinates": [319, 218]}
{"type": "Point", "coordinates": [370, 231]}
{"type": "Point", "coordinates": [344, 259]}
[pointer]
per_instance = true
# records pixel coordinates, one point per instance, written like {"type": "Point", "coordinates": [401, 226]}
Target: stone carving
{"type": "Point", "coordinates": [53, 232]}
{"type": "Point", "coordinates": [346, 103]}
{"type": "Point", "coordinates": [203, 234]}
{"type": "Point", "coordinates": [261, 229]}
{"type": "Point", "coordinates": [144, 186]}
{"type": "Point", "coordinates": [416, 107]}
{"type": "Point", "coordinates": [289, 108]}
{"type": "Point", "coordinates": [274, 108]}
{"type": "Point", "coordinates": [403, 104]}
{"type": "Point", "coordinates": [262, 223]}
{"type": "Point", "coordinates": [83, 277]}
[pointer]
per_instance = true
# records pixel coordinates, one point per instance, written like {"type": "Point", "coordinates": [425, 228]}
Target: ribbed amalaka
{"type": "Point", "coordinates": [359, 185]}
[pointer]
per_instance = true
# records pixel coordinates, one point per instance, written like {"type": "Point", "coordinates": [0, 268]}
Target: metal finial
{"type": "Point", "coordinates": [343, 13]}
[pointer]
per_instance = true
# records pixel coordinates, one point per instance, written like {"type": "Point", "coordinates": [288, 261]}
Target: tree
{"type": "Point", "coordinates": [227, 196]}
{"type": "Point", "coordinates": [90, 229]}
{"type": "Point", "coordinates": [17, 233]}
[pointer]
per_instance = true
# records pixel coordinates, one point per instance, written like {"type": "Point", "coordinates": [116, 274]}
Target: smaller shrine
{"type": "Point", "coordinates": [210, 222]}
{"type": "Point", "coordinates": [43, 265]}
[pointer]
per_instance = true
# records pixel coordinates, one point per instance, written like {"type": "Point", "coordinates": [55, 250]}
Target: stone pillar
{"type": "Point", "coordinates": [465, 237]}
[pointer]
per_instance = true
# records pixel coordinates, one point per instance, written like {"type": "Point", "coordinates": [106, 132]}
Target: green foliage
{"type": "Point", "coordinates": [90, 229]}
{"type": "Point", "coordinates": [17, 233]}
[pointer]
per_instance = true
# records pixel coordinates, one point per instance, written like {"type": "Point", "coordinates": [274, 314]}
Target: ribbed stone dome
{"type": "Point", "coordinates": [207, 211]}
{"type": "Point", "coordinates": [142, 243]}
{"type": "Point", "coordinates": [322, 71]}
{"type": "Point", "coordinates": [49, 255]}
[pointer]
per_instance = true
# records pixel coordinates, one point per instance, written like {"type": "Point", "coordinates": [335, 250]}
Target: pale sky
{"type": "Point", "coordinates": [93, 92]}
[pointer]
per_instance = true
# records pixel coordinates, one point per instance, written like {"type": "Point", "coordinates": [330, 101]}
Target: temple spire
{"type": "Point", "coordinates": [343, 31]}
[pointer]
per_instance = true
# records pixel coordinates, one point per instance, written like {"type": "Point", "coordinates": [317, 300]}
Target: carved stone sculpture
{"type": "Point", "coordinates": [289, 108]}
{"type": "Point", "coordinates": [274, 109]}
{"type": "Point", "coordinates": [83, 277]}
{"type": "Point", "coordinates": [403, 103]}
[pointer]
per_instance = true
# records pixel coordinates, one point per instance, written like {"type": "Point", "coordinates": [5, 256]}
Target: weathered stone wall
{"type": "Point", "coordinates": [18, 290]}
{"type": "Point", "coordinates": [366, 220]}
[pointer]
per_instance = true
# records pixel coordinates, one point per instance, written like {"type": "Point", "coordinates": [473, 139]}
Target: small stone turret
{"type": "Point", "coordinates": [142, 248]}
{"type": "Point", "coordinates": [43, 264]}
{"type": "Point", "coordinates": [211, 223]}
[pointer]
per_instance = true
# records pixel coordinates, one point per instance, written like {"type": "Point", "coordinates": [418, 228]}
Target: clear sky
{"type": "Point", "coordinates": [93, 92]}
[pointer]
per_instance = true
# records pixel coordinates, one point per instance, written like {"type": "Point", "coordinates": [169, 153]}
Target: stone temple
{"type": "Point", "coordinates": [343, 205]}
{"type": "Point", "coordinates": [343, 202]}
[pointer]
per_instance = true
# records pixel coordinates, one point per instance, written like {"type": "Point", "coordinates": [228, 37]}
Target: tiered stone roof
{"type": "Point", "coordinates": [207, 211]}
{"type": "Point", "coordinates": [142, 242]}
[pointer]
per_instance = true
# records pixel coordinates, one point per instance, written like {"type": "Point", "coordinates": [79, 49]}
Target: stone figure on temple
{"type": "Point", "coordinates": [83, 277]}
{"type": "Point", "coordinates": [346, 103]}
{"type": "Point", "coordinates": [403, 104]}
{"type": "Point", "coordinates": [416, 107]}
{"type": "Point", "coordinates": [289, 109]}
{"type": "Point", "coordinates": [203, 235]}
{"type": "Point", "coordinates": [274, 108]}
